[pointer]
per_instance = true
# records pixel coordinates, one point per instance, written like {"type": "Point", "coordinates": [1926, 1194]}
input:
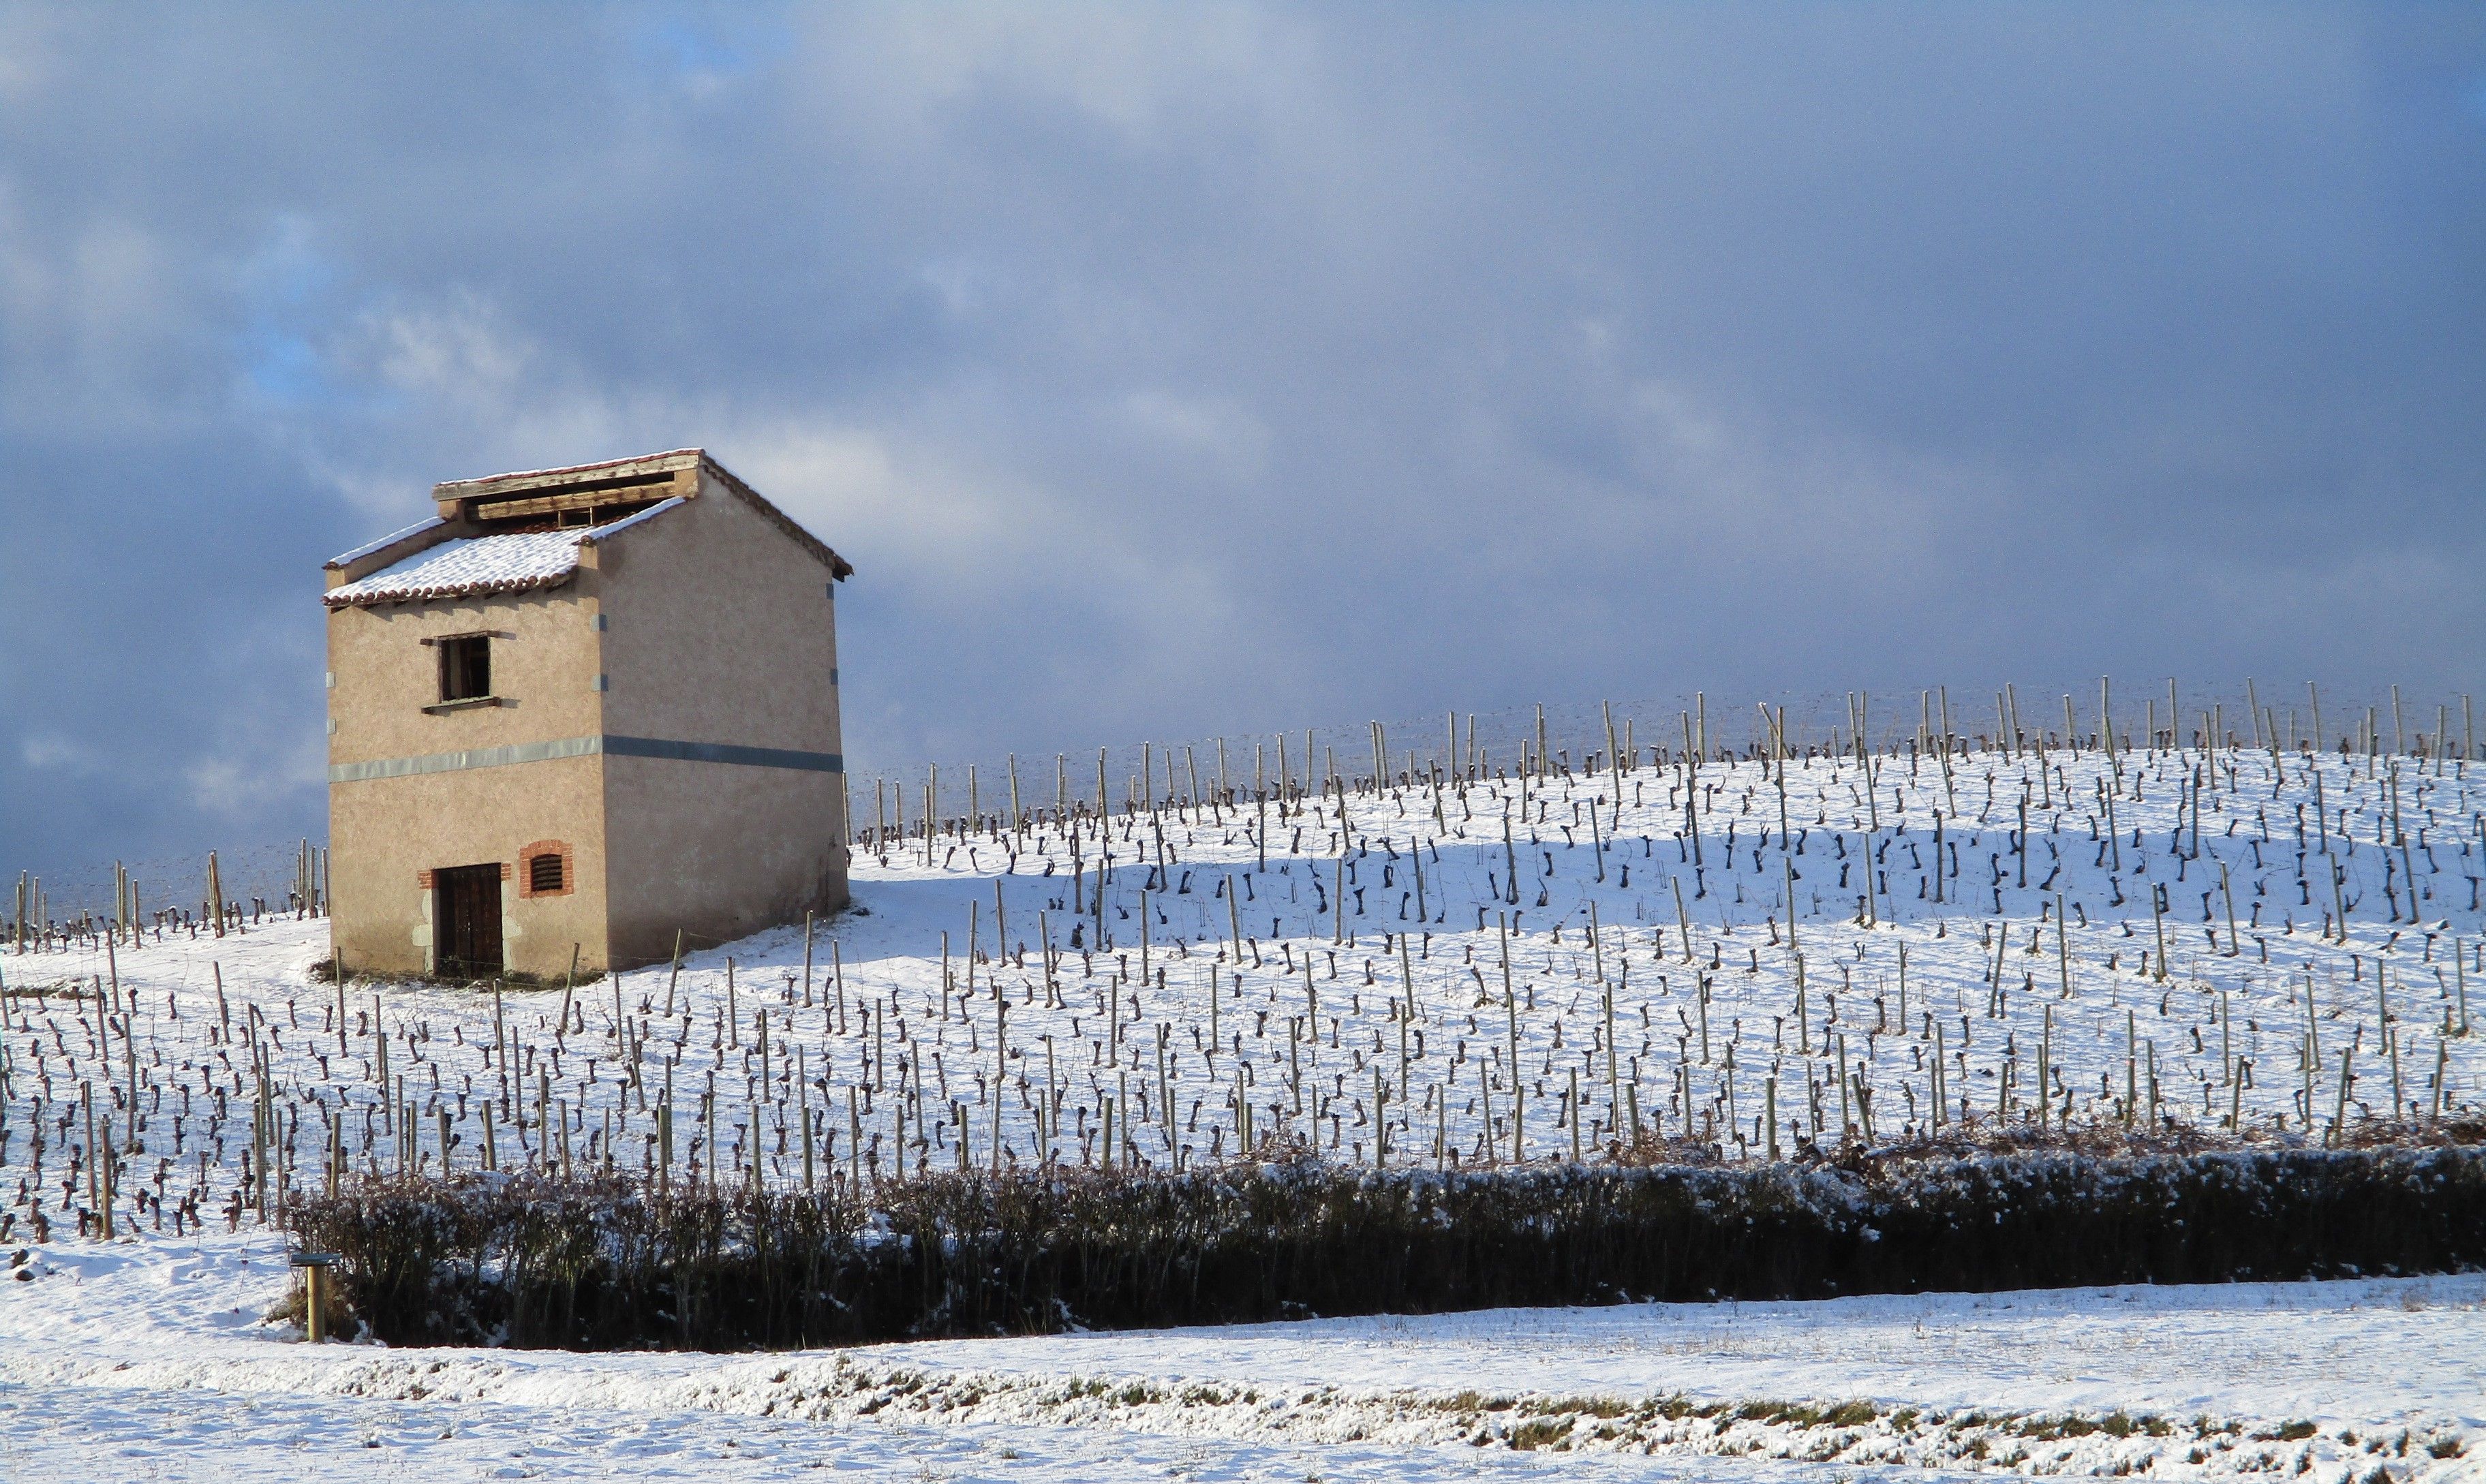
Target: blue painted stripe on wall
{"type": "Point", "coordinates": [586, 747]}
{"type": "Point", "coordinates": [460, 762]}
{"type": "Point", "coordinates": [724, 751]}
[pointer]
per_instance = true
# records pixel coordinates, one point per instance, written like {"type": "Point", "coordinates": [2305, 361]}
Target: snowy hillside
{"type": "Point", "coordinates": [1665, 948]}
{"type": "Point", "coordinates": [1462, 964]}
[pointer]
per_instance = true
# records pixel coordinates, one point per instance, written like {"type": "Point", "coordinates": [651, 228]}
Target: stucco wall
{"type": "Point", "coordinates": [383, 833]}
{"type": "Point", "coordinates": [717, 852]}
{"type": "Point", "coordinates": [721, 629]}
{"type": "Point", "coordinates": [723, 626]}
{"type": "Point", "coordinates": [385, 675]}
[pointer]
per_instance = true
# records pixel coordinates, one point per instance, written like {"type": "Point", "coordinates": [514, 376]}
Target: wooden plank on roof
{"type": "Point", "coordinates": [611, 471]}
{"type": "Point", "coordinates": [579, 500]}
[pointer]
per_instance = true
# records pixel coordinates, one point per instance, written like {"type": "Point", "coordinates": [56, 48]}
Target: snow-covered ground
{"type": "Point", "coordinates": [152, 1359]}
{"type": "Point", "coordinates": [1647, 970]}
{"type": "Point", "coordinates": [1680, 946]}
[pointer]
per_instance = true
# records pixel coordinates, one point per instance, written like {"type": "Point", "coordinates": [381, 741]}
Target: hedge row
{"type": "Point", "coordinates": [607, 1265]}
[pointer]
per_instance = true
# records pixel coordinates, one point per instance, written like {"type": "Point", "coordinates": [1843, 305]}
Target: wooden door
{"type": "Point", "coordinates": [466, 921]}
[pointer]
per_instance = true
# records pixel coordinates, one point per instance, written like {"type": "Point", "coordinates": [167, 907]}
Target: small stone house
{"type": "Point", "coordinates": [580, 711]}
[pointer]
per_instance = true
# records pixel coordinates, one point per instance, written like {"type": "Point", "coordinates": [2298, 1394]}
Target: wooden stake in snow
{"type": "Point", "coordinates": [1510, 1003]}
{"type": "Point", "coordinates": [215, 895]}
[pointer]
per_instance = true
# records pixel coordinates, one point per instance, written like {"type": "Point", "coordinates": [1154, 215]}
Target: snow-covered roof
{"type": "Point", "coordinates": [472, 565]}
{"type": "Point", "coordinates": [616, 527]}
{"type": "Point", "coordinates": [370, 548]}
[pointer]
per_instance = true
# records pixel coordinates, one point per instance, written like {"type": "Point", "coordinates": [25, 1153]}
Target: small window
{"type": "Point", "coordinates": [466, 668]}
{"type": "Point", "coordinates": [544, 874]}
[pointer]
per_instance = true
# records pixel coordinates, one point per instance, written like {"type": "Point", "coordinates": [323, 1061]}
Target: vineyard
{"type": "Point", "coordinates": [1595, 950]}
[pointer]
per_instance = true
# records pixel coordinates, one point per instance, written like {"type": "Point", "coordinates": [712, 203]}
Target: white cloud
{"type": "Point", "coordinates": [92, 321]}
{"type": "Point", "coordinates": [902, 491]}
{"type": "Point", "coordinates": [462, 392]}
{"type": "Point", "coordinates": [54, 753]}
{"type": "Point", "coordinates": [1140, 74]}
{"type": "Point", "coordinates": [28, 53]}
{"type": "Point", "coordinates": [1777, 496]}
{"type": "Point", "coordinates": [241, 785]}
{"type": "Point", "coordinates": [1217, 434]}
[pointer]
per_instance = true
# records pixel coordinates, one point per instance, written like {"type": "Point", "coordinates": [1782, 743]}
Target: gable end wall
{"type": "Point", "coordinates": [721, 634]}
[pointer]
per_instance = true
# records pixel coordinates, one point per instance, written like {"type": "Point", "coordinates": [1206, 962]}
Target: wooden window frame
{"type": "Point", "coordinates": [458, 684]}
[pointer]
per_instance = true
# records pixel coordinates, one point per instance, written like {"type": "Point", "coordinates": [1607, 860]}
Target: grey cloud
{"type": "Point", "coordinates": [1168, 371]}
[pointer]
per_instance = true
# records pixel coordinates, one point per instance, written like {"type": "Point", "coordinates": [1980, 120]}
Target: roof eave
{"type": "Point", "coordinates": [390, 550]}
{"type": "Point", "coordinates": [443, 594]}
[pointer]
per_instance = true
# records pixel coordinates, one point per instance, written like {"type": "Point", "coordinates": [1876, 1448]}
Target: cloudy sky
{"type": "Point", "coordinates": [1168, 371]}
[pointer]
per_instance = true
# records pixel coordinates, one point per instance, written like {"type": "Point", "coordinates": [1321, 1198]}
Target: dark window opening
{"type": "Point", "coordinates": [543, 873]}
{"type": "Point", "coordinates": [466, 668]}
